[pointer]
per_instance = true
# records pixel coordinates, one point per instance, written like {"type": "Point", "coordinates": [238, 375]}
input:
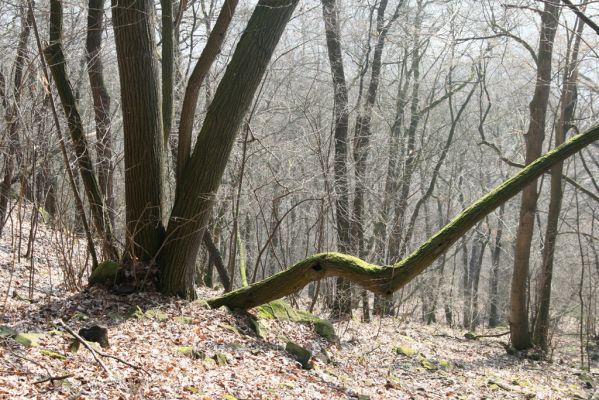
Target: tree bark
{"type": "Point", "coordinates": [12, 104]}
{"type": "Point", "coordinates": [55, 58]}
{"type": "Point", "coordinates": [201, 69]}
{"type": "Point", "coordinates": [142, 127]}
{"type": "Point", "coordinates": [519, 326]}
{"type": "Point", "coordinates": [203, 172]}
{"type": "Point", "coordinates": [387, 279]}
{"type": "Point", "coordinates": [342, 300]}
{"type": "Point", "coordinates": [101, 100]}
{"type": "Point", "coordinates": [567, 106]}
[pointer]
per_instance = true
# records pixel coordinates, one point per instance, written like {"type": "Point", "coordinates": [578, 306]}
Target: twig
{"type": "Point", "coordinates": [100, 353]}
{"type": "Point", "coordinates": [52, 379]}
{"type": "Point", "coordinates": [85, 344]}
{"type": "Point", "coordinates": [493, 335]}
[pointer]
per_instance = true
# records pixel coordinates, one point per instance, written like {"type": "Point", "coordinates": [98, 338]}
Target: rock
{"type": "Point", "coordinates": [221, 359]}
{"type": "Point", "coordinates": [191, 352]}
{"type": "Point", "coordinates": [301, 354]}
{"type": "Point", "coordinates": [28, 339]}
{"type": "Point", "coordinates": [106, 273]}
{"type": "Point", "coordinates": [406, 351]}
{"type": "Point", "coordinates": [97, 334]}
{"type": "Point", "coordinates": [157, 314]}
{"type": "Point", "coordinates": [7, 331]}
{"type": "Point", "coordinates": [325, 329]}
{"type": "Point", "coordinates": [470, 336]}
{"type": "Point", "coordinates": [281, 310]}
{"type": "Point", "coordinates": [258, 327]}
{"type": "Point", "coordinates": [182, 319]}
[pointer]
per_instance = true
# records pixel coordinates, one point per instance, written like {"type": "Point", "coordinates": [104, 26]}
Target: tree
{"type": "Point", "coordinates": [519, 327]}
{"type": "Point", "coordinates": [566, 116]}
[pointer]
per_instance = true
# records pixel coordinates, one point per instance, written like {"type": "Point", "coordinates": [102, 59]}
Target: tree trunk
{"type": "Point", "coordinates": [494, 285]}
{"type": "Point", "coordinates": [203, 172]}
{"type": "Point", "coordinates": [55, 58]}
{"type": "Point", "coordinates": [12, 104]}
{"type": "Point", "coordinates": [101, 99]}
{"type": "Point", "coordinates": [387, 279]}
{"type": "Point", "coordinates": [342, 300]}
{"type": "Point", "coordinates": [568, 104]}
{"type": "Point", "coordinates": [519, 327]}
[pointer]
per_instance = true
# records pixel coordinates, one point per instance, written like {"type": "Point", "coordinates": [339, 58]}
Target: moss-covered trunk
{"type": "Point", "coordinates": [387, 279]}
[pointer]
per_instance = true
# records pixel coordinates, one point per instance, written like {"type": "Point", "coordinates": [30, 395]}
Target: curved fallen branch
{"type": "Point", "coordinates": [387, 279]}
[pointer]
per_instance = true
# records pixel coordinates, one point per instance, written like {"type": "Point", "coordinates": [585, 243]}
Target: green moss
{"type": "Point", "coordinates": [105, 273]}
{"type": "Point", "coordinates": [157, 314]}
{"type": "Point", "coordinates": [406, 351]}
{"type": "Point", "coordinates": [53, 354]}
{"type": "Point", "coordinates": [7, 331]}
{"type": "Point", "coordinates": [301, 354]}
{"type": "Point", "coordinates": [325, 329]}
{"type": "Point", "coordinates": [182, 319]}
{"type": "Point", "coordinates": [28, 339]}
{"type": "Point", "coordinates": [281, 310]}
{"type": "Point", "coordinates": [191, 352]}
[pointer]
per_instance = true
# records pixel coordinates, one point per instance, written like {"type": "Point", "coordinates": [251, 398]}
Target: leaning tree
{"type": "Point", "coordinates": [168, 240]}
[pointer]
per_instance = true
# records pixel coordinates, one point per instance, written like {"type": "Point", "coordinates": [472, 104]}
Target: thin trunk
{"type": "Point", "coordinates": [12, 119]}
{"type": "Point", "coordinates": [495, 258]}
{"type": "Point", "coordinates": [519, 326]}
{"type": "Point", "coordinates": [342, 301]}
{"type": "Point", "coordinates": [567, 107]}
{"type": "Point", "coordinates": [101, 100]}
{"type": "Point", "coordinates": [55, 58]}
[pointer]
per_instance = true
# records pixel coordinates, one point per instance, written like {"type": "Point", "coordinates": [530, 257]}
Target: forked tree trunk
{"type": "Point", "coordinates": [519, 326]}
{"type": "Point", "coordinates": [387, 279]}
{"type": "Point", "coordinates": [203, 172]}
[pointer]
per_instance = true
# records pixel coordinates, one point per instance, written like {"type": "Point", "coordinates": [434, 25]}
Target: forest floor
{"type": "Point", "coordinates": [180, 350]}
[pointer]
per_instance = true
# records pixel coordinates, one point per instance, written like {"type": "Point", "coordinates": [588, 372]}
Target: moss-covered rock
{"type": "Point", "coordinates": [28, 339]}
{"type": "Point", "coordinates": [7, 331]}
{"type": "Point", "coordinates": [106, 273]}
{"type": "Point", "coordinates": [281, 310]}
{"type": "Point", "coordinates": [301, 354]}
{"type": "Point", "coordinates": [406, 351]}
{"type": "Point", "coordinates": [191, 352]}
{"type": "Point", "coordinates": [157, 314]}
{"type": "Point", "coordinates": [183, 319]}
{"type": "Point", "coordinates": [221, 359]}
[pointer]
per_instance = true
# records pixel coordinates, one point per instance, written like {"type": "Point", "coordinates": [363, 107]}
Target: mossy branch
{"type": "Point", "coordinates": [387, 279]}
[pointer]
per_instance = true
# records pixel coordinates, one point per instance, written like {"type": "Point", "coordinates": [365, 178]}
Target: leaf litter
{"type": "Point", "coordinates": [183, 350]}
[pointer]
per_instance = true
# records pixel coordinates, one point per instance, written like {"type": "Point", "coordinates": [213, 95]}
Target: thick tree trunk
{"type": "Point", "coordinates": [142, 127]}
{"type": "Point", "coordinates": [519, 326]}
{"type": "Point", "coordinates": [387, 279]}
{"type": "Point", "coordinates": [342, 299]}
{"type": "Point", "coordinates": [568, 104]}
{"type": "Point", "coordinates": [203, 171]}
